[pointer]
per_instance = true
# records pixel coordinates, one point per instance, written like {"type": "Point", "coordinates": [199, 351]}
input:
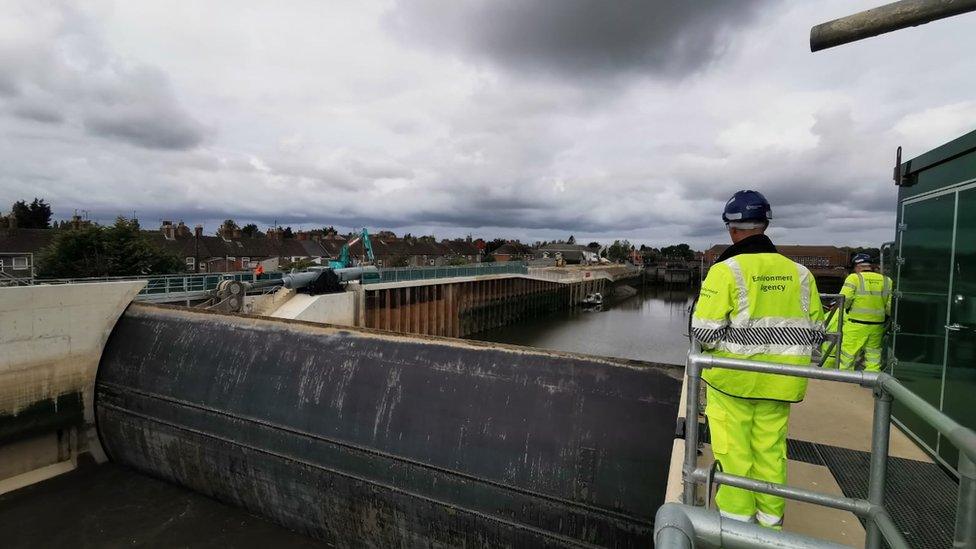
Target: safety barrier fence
{"type": "Point", "coordinates": [160, 287]}
{"type": "Point", "coordinates": [687, 526]}
{"type": "Point", "coordinates": [403, 274]}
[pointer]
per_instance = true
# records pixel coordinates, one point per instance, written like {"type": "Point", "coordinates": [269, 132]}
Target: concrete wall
{"type": "Point", "coordinates": [337, 309]}
{"type": "Point", "coordinates": [51, 340]}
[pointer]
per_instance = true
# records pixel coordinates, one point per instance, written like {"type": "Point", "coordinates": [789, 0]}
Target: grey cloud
{"type": "Point", "coordinates": [110, 96]}
{"type": "Point", "coordinates": [377, 169]}
{"type": "Point", "coordinates": [844, 172]}
{"type": "Point", "coordinates": [146, 129]}
{"type": "Point", "coordinates": [577, 38]}
{"type": "Point", "coordinates": [38, 113]}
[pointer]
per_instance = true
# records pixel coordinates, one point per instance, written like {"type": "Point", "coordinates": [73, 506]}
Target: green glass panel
{"type": "Point", "coordinates": [926, 250]}
{"type": "Point", "coordinates": [960, 384]}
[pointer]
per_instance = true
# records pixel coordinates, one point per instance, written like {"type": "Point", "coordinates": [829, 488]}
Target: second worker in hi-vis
{"type": "Point", "coordinates": [754, 304]}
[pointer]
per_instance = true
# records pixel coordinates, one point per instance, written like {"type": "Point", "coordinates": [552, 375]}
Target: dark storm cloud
{"type": "Point", "coordinates": [146, 129]}
{"type": "Point", "coordinates": [577, 38]}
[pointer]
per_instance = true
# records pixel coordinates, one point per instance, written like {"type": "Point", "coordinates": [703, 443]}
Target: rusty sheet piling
{"type": "Point", "coordinates": [364, 438]}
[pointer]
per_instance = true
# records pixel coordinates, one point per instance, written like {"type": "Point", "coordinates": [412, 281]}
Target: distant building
{"type": "Point", "coordinates": [513, 251]}
{"type": "Point", "coordinates": [815, 258]}
{"type": "Point", "coordinates": [18, 250]}
{"type": "Point", "coordinates": [392, 251]}
{"type": "Point", "coordinates": [571, 253]}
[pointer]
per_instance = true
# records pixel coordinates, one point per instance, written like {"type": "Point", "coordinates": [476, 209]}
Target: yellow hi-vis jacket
{"type": "Point", "coordinates": [867, 297]}
{"type": "Point", "coordinates": [759, 306]}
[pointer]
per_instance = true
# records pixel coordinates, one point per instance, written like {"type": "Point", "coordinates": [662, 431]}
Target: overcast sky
{"type": "Point", "coordinates": [515, 118]}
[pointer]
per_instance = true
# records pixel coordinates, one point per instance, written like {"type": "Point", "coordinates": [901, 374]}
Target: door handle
{"type": "Point", "coordinates": [954, 327]}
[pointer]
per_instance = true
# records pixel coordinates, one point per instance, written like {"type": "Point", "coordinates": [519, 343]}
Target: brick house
{"type": "Point", "coordinates": [815, 258]}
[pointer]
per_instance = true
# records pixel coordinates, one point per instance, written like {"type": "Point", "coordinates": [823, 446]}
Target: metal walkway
{"type": "Point", "coordinates": [866, 490]}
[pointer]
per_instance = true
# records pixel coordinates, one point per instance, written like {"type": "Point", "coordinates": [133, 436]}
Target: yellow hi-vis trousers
{"type": "Point", "coordinates": [748, 438]}
{"type": "Point", "coordinates": [858, 337]}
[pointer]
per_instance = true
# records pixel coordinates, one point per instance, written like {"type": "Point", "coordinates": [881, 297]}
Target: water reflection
{"type": "Point", "coordinates": [651, 325]}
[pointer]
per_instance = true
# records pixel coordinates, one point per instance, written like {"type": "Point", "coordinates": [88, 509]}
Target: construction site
{"type": "Point", "coordinates": [345, 405]}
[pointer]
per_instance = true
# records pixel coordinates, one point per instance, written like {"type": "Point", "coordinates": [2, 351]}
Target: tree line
{"type": "Point", "coordinates": [120, 249]}
{"type": "Point", "coordinates": [123, 249]}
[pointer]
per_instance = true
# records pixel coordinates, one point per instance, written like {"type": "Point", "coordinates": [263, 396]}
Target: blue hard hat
{"type": "Point", "coordinates": [747, 206]}
{"type": "Point", "coordinates": [861, 258]}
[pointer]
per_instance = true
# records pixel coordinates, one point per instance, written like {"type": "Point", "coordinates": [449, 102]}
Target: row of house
{"type": "Point", "coordinates": [819, 259]}
{"type": "Point", "coordinates": [230, 250]}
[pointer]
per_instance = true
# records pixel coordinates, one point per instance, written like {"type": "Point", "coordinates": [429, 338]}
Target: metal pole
{"type": "Point", "coordinates": [842, 304]}
{"type": "Point", "coordinates": [679, 526]}
{"type": "Point", "coordinates": [863, 378]}
{"type": "Point", "coordinates": [887, 18]}
{"type": "Point", "coordinates": [859, 507]}
{"type": "Point", "coordinates": [965, 536]}
{"type": "Point", "coordinates": [693, 371]}
{"type": "Point", "coordinates": [962, 438]}
{"type": "Point", "coordinates": [880, 435]}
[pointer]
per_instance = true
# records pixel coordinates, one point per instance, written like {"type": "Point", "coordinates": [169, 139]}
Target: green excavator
{"type": "Point", "coordinates": [344, 259]}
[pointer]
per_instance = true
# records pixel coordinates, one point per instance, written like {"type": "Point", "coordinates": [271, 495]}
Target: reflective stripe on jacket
{"type": "Point", "coordinates": [867, 296]}
{"type": "Point", "coordinates": [759, 306]}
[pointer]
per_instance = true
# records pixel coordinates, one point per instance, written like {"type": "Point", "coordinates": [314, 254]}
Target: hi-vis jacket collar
{"type": "Point", "coordinates": [755, 244]}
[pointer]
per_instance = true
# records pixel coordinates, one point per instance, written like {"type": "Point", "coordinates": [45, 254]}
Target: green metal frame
{"type": "Point", "coordinates": [949, 169]}
{"type": "Point", "coordinates": [402, 274]}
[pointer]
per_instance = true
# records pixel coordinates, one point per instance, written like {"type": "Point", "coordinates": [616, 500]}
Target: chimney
{"type": "Point", "coordinates": [182, 231]}
{"type": "Point", "coordinates": [76, 222]}
{"type": "Point", "coordinates": [236, 232]}
{"type": "Point", "coordinates": [198, 231]}
{"type": "Point", "coordinates": [168, 230]}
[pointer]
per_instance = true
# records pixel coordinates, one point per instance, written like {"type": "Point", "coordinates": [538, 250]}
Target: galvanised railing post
{"type": "Point", "coordinates": [880, 435]}
{"type": "Point", "coordinates": [965, 534]}
{"type": "Point", "coordinates": [693, 371]}
{"type": "Point", "coordinates": [841, 303]}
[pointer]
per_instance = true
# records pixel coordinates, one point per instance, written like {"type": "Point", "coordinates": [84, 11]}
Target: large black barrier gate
{"type": "Point", "coordinates": [361, 437]}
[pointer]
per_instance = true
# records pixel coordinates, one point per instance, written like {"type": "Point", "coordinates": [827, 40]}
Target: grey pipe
{"type": "Point", "coordinates": [355, 273]}
{"type": "Point", "coordinates": [859, 507]}
{"type": "Point", "coordinates": [881, 433]}
{"type": "Point", "coordinates": [887, 18]}
{"type": "Point", "coordinates": [965, 533]}
{"type": "Point", "coordinates": [297, 281]}
{"type": "Point", "coordinates": [693, 372]}
{"type": "Point", "coordinates": [962, 438]}
{"type": "Point", "coordinates": [678, 526]}
{"type": "Point", "coordinates": [866, 379]}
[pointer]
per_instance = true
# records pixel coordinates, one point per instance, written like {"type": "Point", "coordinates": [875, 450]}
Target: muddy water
{"type": "Point", "coordinates": [651, 325]}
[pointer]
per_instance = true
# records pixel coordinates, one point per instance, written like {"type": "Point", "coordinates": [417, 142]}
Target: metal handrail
{"type": "Point", "coordinates": [403, 274]}
{"type": "Point", "coordinates": [878, 521]}
{"type": "Point", "coordinates": [162, 285]}
{"type": "Point", "coordinates": [836, 338]}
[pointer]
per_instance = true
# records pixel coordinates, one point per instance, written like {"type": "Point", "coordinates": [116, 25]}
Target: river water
{"type": "Point", "coordinates": [651, 326]}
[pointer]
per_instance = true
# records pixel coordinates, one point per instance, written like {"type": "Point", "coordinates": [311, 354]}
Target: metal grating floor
{"type": "Point", "coordinates": [801, 450]}
{"type": "Point", "coordinates": [920, 496]}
